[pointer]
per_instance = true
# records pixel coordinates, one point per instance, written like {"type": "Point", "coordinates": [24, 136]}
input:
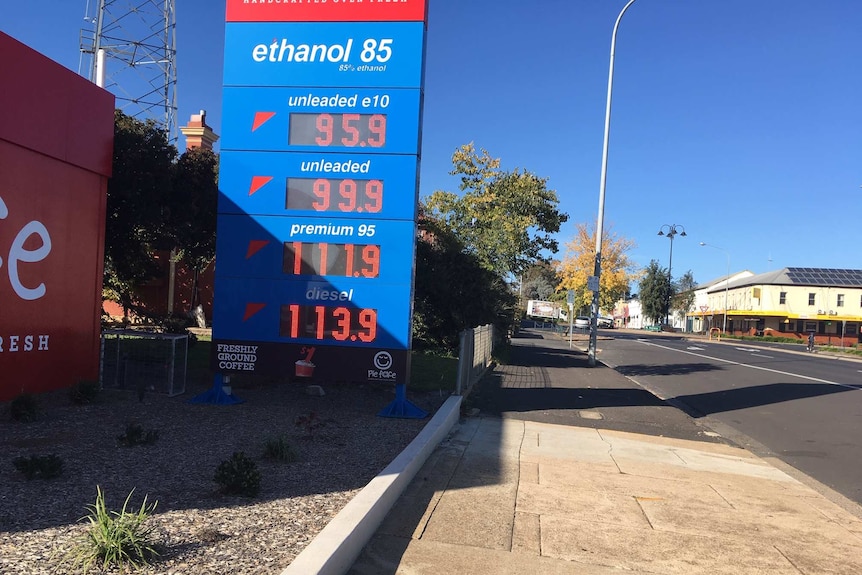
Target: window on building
{"type": "Point", "coordinates": [840, 301]}
{"type": "Point", "coordinates": [782, 297]}
{"type": "Point", "coordinates": [810, 326]}
{"type": "Point", "coordinates": [787, 327]}
{"type": "Point", "coordinates": [811, 298]}
{"type": "Point", "coordinates": [850, 329]}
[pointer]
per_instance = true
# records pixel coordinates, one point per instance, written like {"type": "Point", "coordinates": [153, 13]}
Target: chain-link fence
{"type": "Point", "coordinates": [144, 361]}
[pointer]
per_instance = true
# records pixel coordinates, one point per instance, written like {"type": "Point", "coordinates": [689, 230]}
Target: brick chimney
{"type": "Point", "coordinates": [197, 133]}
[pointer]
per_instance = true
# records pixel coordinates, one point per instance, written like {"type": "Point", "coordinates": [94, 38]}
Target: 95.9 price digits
{"type": "Point", "coordinates": [328, 323]}
{"type": "Point", "coordinates": [340, 130]}
{"type": "Point", "coordinates": [323, 259]}
{"type": "Point", "coordinates": [334, 195]}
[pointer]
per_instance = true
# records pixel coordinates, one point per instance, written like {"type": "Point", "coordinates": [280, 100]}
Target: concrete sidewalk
{"type": "Point", "coordinates": [505, 496]}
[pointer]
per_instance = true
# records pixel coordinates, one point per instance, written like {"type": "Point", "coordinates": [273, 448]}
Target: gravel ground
{"type": "Point", "coordinates": [203, 532]}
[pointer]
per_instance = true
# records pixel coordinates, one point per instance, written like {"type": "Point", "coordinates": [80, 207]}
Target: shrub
{"type": "Point", "coordinates": [84, 392]}
{"type": "Point", "coordinates": [238, 476]}
{"type": "Point", "coordinates": [115, 538]}
{"type": "Point", "coordinates": [135, 435]}
{"type": "Point", "coordinates": [277, 448]}
{"type": "Point", "coordinates": [39, 466]}
{"type": "Point", "coordinates": [24, 408]}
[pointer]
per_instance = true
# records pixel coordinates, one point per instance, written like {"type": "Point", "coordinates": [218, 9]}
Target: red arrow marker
{"type": "Point", "coordinates": [257, 182]}
{"type": "Point", "coordinates": [251, 309]}
{"type": "Point", "coordinates": [255, 246]}
{"type": "Point", "coordinates": [261, 118]}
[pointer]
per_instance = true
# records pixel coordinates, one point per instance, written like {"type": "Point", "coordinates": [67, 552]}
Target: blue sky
{"type": "Point", "coordinates": [740, 120]}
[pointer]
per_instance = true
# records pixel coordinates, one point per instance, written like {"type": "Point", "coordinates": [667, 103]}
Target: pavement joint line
{"type": "Point", "coordinates": [517, 485]}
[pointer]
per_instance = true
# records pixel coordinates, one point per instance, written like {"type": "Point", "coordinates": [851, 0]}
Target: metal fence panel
{"type": "Point", "coordinates": [144, 361]}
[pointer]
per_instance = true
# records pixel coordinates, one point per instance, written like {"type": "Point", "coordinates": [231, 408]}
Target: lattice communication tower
{"type": "Point", "coordinates": [138, 40]}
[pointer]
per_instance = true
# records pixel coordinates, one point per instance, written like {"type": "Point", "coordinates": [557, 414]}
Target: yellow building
{"type": "Point", "coordinates": [791, 303]}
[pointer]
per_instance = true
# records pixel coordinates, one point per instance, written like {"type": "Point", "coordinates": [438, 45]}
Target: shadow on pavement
{"type": "Point", "coordinates": [703, 404]}
{"type": "Point", "coordinates": [674, 369]}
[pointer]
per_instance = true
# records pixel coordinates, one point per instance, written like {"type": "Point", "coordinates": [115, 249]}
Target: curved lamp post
{"type": "Point", "coordinates": [672, 231]}
{"type": "Point", "coordinates": [597, 272]}
{"type": "Point", "coordinates": [726, 281]}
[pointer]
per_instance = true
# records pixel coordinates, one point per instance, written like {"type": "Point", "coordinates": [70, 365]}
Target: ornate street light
{"type": "Point", "coordinates": [672, 231]}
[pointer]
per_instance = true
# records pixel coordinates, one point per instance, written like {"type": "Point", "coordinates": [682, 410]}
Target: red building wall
{"type": "Point", "coordinates": [56, 147]}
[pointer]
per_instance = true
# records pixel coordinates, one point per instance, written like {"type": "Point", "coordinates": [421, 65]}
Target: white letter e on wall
{"type": "Point", "coordinates": [17, 254]}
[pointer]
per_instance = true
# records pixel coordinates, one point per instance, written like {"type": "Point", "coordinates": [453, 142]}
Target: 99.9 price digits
{"type": "Point", "coordinates": [328, 323]}
{"type": "Point", "coordinates": [333, 195]}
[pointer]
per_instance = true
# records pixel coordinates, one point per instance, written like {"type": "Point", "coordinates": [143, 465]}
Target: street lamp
{"type": "Point", "coordinates": [597, 271]}
{"type": "Point", "coordinates": [726, 281]}
{"type": "Point", "coordinates": [672, 231]}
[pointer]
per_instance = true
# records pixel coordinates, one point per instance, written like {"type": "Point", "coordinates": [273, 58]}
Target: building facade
{"type": "Point", "coordinates": [791, 302]}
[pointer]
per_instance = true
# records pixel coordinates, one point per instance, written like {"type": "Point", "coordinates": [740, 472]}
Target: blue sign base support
{"type": "Point", "coordinates": [216, 394]}
{"type": "Point", "coordinates": [401, 407]}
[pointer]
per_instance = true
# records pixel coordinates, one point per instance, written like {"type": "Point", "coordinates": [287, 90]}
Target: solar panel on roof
{"type": "Point", "coordinates": [825, 276]}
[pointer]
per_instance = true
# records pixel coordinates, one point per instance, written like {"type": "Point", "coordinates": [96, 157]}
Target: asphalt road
{"type": "Point", "coordinates": [805, 409]}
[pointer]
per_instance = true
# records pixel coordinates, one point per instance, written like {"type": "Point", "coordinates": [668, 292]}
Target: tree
{"type": "Point", "coordinates": [453, 291]}
{"type": "Point", "coordinates": [655, 291]}
{"type": "Point", "coordinates": [683, 298]}
{"type": "Point", "coordinates": [539, 281]}
{"type": "Point", "coordinates": [138, 191]}
{"type": "Point", "coordinates": [618, 271]}
{"type": "Point", "coordinates": [191, 214]}
{"type": "Point", "coordinates": [504, 218]}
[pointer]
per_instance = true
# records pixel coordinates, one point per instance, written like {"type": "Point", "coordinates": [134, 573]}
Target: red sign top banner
{"type": "Point", "coordinates": [326, 10]}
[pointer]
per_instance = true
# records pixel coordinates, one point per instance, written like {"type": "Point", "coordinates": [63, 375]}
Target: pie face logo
{"type": "Point", "coordinates": [18, 254]}
{"type": "Point", "coordinates": [382, 362]}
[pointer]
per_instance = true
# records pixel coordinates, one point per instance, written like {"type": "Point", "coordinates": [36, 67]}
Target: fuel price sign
{"type": "Point", "coordinates": [322, 119]}
{"type": "Point", "coordinates": [316, 184]}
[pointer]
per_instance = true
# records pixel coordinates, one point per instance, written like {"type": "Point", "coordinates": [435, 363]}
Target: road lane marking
{"type": "Point", "coordinates": [694, 347]}
{"type": "Point", "coordinates": [769, 369]}
{"type": "Point", "coordinates": [763, 356]}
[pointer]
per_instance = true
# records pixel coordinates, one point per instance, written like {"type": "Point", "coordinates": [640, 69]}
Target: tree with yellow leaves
{"type": "Point", "coordinates": [618, 271]}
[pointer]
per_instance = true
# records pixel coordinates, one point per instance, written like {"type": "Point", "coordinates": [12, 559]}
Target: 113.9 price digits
{"type": "Point", "coordinates": [334, 195]}
{"type": "Point", "coordinates": [328, 323]}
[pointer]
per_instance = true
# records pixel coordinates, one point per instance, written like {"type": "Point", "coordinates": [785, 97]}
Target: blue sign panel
{"type": "Point", "coordinates": [381, 121]}
{"type": "Point", "coordinates": [343, 252]}
{"type": "Point", "coordinates": [345, 54]}
{"type": "Point", "coordinates": [318, 184]}
{"type": "Point", "coordinates": [313, 312]}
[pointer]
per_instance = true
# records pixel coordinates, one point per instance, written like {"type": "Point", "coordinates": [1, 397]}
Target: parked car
{"type": "Point", "coordinates": [582, 322]}
{"type": "Point", "coordinates": [605, 322]}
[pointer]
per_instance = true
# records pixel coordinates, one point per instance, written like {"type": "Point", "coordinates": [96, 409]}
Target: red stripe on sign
{"type": "Point", "coordinates": [257, 182]}
{"type": "Point", "coordinates": [255, 246]}
{"type": "Point", "coordinates": [261, 118]}
{"type": "Point", "coordinates": [284, 11]}
{"type": "Point", "coordinates": [251, 309]}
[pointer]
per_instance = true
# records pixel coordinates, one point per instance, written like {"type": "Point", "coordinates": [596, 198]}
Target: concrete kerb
{"type": "Point", "coordinates": [334, 550]}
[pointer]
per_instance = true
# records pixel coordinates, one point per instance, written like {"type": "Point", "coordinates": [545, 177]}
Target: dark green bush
{"type": "Point", "coordinates": [136, 435]}
{"type": "Point", "coordinates": [39, 466]}
{"type": "Point", "coordinates": [84, 392]}
{"type": "Point", "coordinates": [238, 476]}
{"type": "Point", "coordinates": [24, 408]}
